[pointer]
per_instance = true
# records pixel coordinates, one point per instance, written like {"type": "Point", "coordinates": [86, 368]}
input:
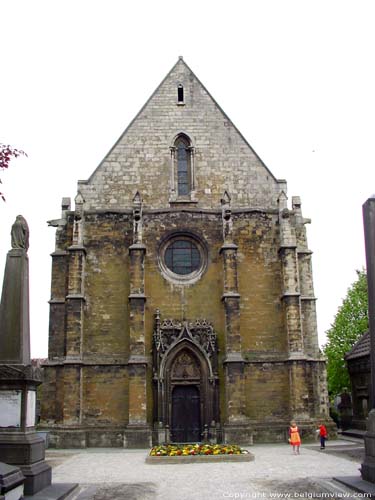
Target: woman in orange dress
{"type": "Point", "coordinates": [294, 437]}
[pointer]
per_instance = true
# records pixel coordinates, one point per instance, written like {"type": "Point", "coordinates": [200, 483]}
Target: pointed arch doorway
{"type": "Point", "coordinates": [185, 379]}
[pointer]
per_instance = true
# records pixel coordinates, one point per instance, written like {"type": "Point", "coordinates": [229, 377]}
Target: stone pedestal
{"type": "Point", "coordinates": [27, 451]}
{"type": "Point", "coordinates": [20, 445]}
{"type": "Point", "coordinates": [368, 465]}
{"type": "Point", "coordinates": [11, 482]}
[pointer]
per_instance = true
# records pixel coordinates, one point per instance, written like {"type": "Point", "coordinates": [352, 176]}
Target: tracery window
{"type": "Point", "coordinates": [182, 176]}
{"type": "Point", "coordinates": [182, 256]}
{"type": "Point", "coordinates": [183, 152]}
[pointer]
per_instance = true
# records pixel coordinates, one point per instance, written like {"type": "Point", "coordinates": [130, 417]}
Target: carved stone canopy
{"type": "Point", "coordinates": [169, 331]}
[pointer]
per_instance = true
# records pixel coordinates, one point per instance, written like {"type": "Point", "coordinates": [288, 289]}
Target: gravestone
{"type": "Point", "coordinates": [11, 482]}
{"type": "Point", "coordinates": [20, 445]}
{"type": "Point", "coordinates": [368, 465]}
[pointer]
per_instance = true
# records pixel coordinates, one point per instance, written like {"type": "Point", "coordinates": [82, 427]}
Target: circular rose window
{"type": "Point", "coordinates": [182, 258]}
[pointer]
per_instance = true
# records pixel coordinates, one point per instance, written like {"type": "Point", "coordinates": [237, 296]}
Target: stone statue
{"type": "Point", "coordinates": [20, 233]}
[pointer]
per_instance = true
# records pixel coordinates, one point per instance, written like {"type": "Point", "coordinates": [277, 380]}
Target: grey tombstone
{"type": "Point", "coordinates": [11, 482]}
{"type": "Point", "coordinates": [14, 308]}
{"type": "Point", "coordinates": [368, 465]}
{"type": "Point", "coordinates": [20, 445]}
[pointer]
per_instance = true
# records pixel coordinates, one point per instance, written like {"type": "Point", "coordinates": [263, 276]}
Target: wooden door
{"type": "Point", "coordinates": [186, 414]}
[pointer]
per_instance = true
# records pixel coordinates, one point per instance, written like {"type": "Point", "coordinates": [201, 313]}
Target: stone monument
{"type": "Point", "coordinates": [368, 466]}
{"type": "Point", "coordinates": [20, 445]}
{"type": "Point", "coordinates": [11, 482]}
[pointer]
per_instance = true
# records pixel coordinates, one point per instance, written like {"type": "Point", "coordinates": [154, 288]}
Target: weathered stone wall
{"type": "Point", "coordinates": [105, 335]}
{"type": "Point", "coordinates": [51, 397]}
{"type": "Point", "coordinates": [105, 395]}
{"type": "Point", "coordinates": [267, 392]}
{"type": "Point", "coordinates": [141, 158]}
{"type": "Point", "coordinates": [106, 331]}
{"type": "Point", "coordinates": [263, 330]}
{"type": "Point", "coordinates": [108, 281]}
{"type": "Point", "coordinates": [199, 300]}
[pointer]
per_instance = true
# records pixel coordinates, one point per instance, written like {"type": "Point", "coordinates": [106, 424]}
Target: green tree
{"type": "Point", "coordinates": [351, 321]}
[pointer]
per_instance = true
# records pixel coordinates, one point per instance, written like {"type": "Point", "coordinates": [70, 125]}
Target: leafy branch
{"type": "Point", "coordinates": [351, 321]}
{"type": "Point", "coordinates": [7, 152]}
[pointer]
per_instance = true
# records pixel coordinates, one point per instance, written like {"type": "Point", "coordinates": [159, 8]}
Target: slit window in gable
{"type": "Point", "coordinates": [180, 94]}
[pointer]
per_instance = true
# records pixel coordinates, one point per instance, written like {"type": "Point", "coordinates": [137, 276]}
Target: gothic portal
{"type": "Point", "coordinates": [186, 378]}
{"type": "Point", "coordinates": [182, 304]}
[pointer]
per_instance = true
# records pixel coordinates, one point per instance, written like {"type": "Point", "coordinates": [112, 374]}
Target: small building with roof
{"type": "Point", "coordinates": [358, 363]}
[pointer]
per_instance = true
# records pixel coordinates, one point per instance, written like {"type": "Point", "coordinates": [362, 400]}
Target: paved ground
{"type": "Point", "coordinates": [116, 474]}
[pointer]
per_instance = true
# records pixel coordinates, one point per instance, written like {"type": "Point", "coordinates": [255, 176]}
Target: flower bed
{"type": "Point", "coordinates": [189, 453]}
{"type": "Point", "coordinates": [171, 450]}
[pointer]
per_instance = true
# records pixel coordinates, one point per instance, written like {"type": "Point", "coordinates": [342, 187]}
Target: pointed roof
{"type": "Point", "coordinates": [181, 61]}
{"type": "Point", "coordinates": [360, 349]}
{"type": "Point", "coordinates": [140, 160]}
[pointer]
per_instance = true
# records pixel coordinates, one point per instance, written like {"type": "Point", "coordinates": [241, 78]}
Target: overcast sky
{"type": "Point", "coordinates": [296, 77]}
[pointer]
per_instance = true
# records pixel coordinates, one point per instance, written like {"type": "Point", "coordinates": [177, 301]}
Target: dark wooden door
{"type": "Point", "coordinates": [186, 414]}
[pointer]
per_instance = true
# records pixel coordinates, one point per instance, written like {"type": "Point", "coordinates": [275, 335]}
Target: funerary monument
{"type": "Point", "coordinates": [368, 465]}
{"type": "Point", "coordinates": [20, 445]}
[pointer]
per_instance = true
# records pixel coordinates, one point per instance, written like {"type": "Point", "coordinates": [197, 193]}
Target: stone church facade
{"type": "Point", "coordinates": [182, 304]}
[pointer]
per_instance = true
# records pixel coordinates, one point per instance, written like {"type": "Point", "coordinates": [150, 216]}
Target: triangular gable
{"type": "Point", "coordinates": [227, 157]}
{"type": "Point", "coordinates": [179, 61]}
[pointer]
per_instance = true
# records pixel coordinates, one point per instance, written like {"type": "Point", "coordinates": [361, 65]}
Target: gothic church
{"type": "Point", "coordinates": [182, 305]}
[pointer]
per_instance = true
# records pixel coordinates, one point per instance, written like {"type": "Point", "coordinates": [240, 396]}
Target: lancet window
{"type": "Point", "coordinates": [182, 174]}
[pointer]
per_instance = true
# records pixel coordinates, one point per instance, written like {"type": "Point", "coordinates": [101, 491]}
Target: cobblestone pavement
{"type": "Point", "coordinates": [351, 451]}
{"type": "Point", "coordinates": [116, 474]}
